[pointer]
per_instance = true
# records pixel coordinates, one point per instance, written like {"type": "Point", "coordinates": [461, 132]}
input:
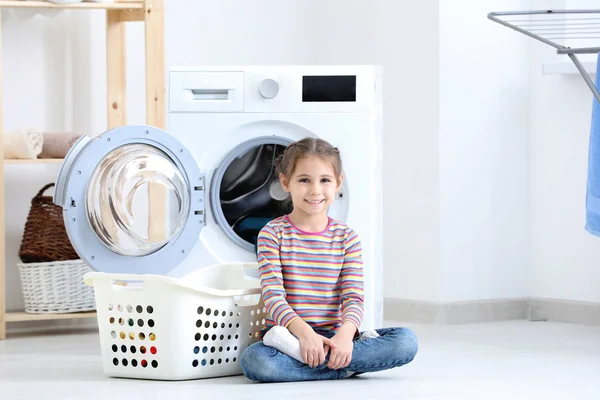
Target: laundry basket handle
{"type": "Point", "coordinates": [42, 190]}
{"type": "Point", "coordinates": [90, 277]}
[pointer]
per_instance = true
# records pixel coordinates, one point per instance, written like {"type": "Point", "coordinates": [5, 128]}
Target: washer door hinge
{"type": "Point", "coordinates": [200, 201]}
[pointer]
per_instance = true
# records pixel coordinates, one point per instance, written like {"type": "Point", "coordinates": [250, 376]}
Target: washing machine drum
{"type": "Point", "coordinates": [245, 190]}
{"type": "Point", "coordinates": [109, 187]}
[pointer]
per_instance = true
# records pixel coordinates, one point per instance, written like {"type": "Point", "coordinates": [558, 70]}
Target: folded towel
{"type": "Point", "coordinates": [593, 183]}
{"type": "Point", "coordinates": [57, 145]}
{"type": "Point", "coordinates": [22, 144]}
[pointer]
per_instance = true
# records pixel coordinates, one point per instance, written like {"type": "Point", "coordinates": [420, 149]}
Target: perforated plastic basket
{"type": "Point", "coordinates": [158, 327]}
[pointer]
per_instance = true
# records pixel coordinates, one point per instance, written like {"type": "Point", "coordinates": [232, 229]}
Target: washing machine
{"type": "Point", "coordinates": [140, 200]}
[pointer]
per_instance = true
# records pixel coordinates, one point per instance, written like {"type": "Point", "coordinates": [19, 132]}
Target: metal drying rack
{"type": "Point", "coordinates": [548, 26]}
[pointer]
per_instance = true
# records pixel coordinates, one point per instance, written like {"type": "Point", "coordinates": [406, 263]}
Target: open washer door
{"type": "Point", "coordinates": [132, 200]}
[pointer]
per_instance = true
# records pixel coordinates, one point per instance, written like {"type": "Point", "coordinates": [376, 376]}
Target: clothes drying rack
{"type": "Point", "coordinates": [581, 27]}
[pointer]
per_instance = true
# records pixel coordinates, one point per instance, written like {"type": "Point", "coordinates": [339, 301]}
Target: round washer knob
{"type": "Point", "coordinates": [268, 88]}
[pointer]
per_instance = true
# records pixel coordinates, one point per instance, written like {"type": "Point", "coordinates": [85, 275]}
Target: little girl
{"type": "Point", "coordinates": [312, 284]}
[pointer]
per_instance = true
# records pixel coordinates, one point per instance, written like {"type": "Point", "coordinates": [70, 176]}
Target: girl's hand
{"type": "Point", "coordinates": [341, 354]}
{"type": "Point", "coordinates": [312, 346]}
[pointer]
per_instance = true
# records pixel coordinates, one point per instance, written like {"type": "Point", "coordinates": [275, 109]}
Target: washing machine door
{"type": "Point", "coordinates": [132, 200]}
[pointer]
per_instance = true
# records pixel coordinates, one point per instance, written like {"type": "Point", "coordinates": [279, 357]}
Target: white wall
{"type": "Point", "coordinates": [409, 51]}
{"type": "Point", "coordinates": [382, 32]}
{"type": "Point", "coordinates": [513, 202]}
{"type": "Point", "coordinates": [455, 224]}
{"type": "Point", "coordinates": [483, 130]}
{"type": "Point", "coordinates": [564, 257]}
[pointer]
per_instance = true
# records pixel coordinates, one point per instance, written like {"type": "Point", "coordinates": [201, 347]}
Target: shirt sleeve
{"type": "Point", "coordinates": [271, 279]}
{"type": "Point", "coordinates": [351, 281]}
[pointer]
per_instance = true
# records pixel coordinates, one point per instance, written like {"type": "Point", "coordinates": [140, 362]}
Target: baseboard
{"type": "Point", "coordinates": [576, 312]}
{"type": "Point", "coordinates": [534, 309]}
{"type": "Point", "coordinates": [63, 325]}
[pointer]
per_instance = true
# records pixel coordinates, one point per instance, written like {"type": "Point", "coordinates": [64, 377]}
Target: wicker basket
{"type": "Point", "coordinates": [45, 238]}
{"type": "Point", "coordinates": [56, 287]}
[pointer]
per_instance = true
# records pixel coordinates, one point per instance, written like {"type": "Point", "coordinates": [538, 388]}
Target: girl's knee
{"type": "Point", "coordinates": [407, 344]}
{"type": "Point", "coordinates": [251, 360]}
{"type": "Point", "coordinates": [258, 363]}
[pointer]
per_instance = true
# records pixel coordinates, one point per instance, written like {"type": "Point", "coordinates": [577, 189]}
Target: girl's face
{"type": "Point", "coordinates": [312, 186]}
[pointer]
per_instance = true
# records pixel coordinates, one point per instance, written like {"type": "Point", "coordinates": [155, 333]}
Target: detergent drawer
{"type": "Point", "coordinates": [206, 91]}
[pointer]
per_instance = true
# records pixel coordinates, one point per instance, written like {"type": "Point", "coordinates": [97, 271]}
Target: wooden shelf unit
{"type": "Point", "coordinates": [119, 5]}
{"type": "Point", "coordinates": [118, 13]}
{"type": "Point", "coordinates": [36, 161]}
{"type": "Point", "coordinates": [23, 316]}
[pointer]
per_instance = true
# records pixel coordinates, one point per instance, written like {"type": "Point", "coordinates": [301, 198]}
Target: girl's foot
{"type": "Point", "coordinates": [283, 340]}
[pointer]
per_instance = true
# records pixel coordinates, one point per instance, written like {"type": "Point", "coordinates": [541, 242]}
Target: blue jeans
{"type": "Point", "coordinates": [393, 348]}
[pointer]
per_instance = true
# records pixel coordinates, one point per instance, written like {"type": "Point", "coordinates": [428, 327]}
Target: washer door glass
{"type": "Point", "coordinates": [133, 187]}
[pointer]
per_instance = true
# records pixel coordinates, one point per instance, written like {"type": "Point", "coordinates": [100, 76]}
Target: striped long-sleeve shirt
{"type": "Point", "coordinates": [314, 276]}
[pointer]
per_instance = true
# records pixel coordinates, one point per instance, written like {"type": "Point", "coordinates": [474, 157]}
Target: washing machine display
{"type": "Point", "coordinates": [318, 88]}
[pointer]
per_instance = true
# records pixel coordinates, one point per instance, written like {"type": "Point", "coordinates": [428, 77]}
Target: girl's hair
{"type": "Point", "coordinates": [286, 162]}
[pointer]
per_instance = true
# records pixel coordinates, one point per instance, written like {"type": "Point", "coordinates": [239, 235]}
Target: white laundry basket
{"type": "Point", "coordinates": [158, 327]}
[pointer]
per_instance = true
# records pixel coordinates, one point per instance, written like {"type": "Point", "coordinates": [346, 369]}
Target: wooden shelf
{"type": "Point", "coordinates": [133, 5]}
{"type": "Point", "coordinates": [118, 14]}
{"type": "Point", "coordinates": [36, 161]}
{"type": "Point", "coordinates": [23, 316]}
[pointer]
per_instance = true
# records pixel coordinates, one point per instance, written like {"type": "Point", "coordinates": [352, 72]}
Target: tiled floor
{"type": "Point", "coordinates": [508, 360]}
